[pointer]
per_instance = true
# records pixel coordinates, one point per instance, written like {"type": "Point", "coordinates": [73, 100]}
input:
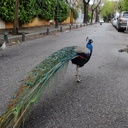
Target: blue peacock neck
{"type": "Point", "coordinates": [90, 47]}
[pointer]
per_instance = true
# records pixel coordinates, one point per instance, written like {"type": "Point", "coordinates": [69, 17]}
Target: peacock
{"type": "Point", "coordinates": [2, 45]}
{"type": "Point", "coordinates": [37, 80]}
{"type": "Point", "coordinates": [124, 49]}
{"type": "Point", "coordinates": [83, 56]}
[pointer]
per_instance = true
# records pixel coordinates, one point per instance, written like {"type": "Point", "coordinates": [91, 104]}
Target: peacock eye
{"type": "Point", "coordinates": [43, 67]}
{"type": "Point", "coordinates": [35, 74]}
{"type": "Point", "coordinates": [26, 83]}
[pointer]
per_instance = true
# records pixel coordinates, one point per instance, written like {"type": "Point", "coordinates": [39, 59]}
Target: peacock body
{"type": "Point", "coordinates": [83, 56]}
{"type": "Point", "coordinates": [30, 90]}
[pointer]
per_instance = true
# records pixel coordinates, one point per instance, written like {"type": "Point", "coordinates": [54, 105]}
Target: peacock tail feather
{"type": "Point", "coordinates": [35, 83]}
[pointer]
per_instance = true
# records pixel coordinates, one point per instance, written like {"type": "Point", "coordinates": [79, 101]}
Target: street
{"type": "Point", "coordinates": [100, 101]}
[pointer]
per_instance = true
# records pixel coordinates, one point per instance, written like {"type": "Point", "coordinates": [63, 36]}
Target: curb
{"type": "Point", "coordinates": [31, 36]}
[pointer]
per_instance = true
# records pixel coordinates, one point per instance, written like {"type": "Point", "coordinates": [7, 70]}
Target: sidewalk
{"type": "Point", "coordinates": [35, 32]}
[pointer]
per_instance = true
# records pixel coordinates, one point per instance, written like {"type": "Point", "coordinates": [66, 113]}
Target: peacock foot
{"type": "Point", "coordinates": [79, 81]}
{"type": "Point", "coordinates": [78, 75]}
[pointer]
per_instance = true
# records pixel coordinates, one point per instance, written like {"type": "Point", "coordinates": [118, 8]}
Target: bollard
{"type": "Point", "coordinates": [127, 26]}
{"type": "Point", "coordinates": [6, 37]}
{"type": "Point", "coordinates": [70, 27]}
{"type": "Point", "coordinates": [76, 26]}
{"type": "Point", "coordinates": [47, 31]}
{"type": "Point", "coordinates": [60, 29]}
{"type": "Point", "coordinates": [23, 36]}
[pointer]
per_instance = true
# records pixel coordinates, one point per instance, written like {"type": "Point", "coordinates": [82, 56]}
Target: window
{"type": "Point", "coordinates": [126, 15]}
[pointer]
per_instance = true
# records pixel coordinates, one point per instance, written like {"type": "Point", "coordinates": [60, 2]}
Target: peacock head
{"type": "Point", "coordinates": [88, 45]}
{"type": "Point", "coordinates": [90, 41]}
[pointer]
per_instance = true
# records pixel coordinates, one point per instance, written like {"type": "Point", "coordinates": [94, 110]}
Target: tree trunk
{"type": "Point", "coordinates": [85, 12]}
{"type": "Point", "coordinates": [57, 14]}
{"type": "Point", "coordinates": [97, 16]}
{"type": "Point", "coordinates": [15, 25]}
{"type": "Point", "coordinates": [93, 9]}
{"type": "Point", "coordinates": [87, 5]}
{"type": "Point", "coordinates": [92, 16]}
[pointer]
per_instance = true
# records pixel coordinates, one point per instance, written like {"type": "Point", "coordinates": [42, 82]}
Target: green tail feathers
{"type": "Point", "coordinates": [29, 92]}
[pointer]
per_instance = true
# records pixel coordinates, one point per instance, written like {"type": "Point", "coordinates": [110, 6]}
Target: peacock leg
{"type": "Point", "coordinates": [77, 74]}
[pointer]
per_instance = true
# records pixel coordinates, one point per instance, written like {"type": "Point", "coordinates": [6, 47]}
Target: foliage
{"type": "Point", "coordinates": [28, 9]}
{"type": "Point", "coordinates": [47, 9]}
{"type": "Point", "coordinates": [63, 11]}
{"type": "Point", "coordinates": [124, 5]}
{"type": "Point", "coordinates": [108, 9]}
{"type": "Point", "coordinates": [7, 10]}
{"type": "Point", "coordinates": [80, 6]}
{"type": "Point", "coordinates": [89, 16]}
{"type": "Point", "coordinates": [75, 13]}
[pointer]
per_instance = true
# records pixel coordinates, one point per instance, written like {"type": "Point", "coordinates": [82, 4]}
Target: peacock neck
{"type": "Point", "coordinates": [90, 47]}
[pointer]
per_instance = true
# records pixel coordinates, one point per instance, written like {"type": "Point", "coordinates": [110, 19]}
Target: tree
{"type": "Point", "coordinates": [124, 5]}
{"type": "Point", "coordinates": [15, 24]}
{"type": "Point", "coordinates": [28, 9]}
{"type": "Point", "coordinates": [108, 9]}
{"type": "Point", "coordinates": [7, 10]}
{"type": "Point", "coordinates": [22, 11]}
{"type": "Point", "coordinates": [94, 6]}
{"type": "Point", "coordinates": [12, 11]}
{"type": "Point", "coordinates": [48, 8]}
{"type": "Point", "coordinates": [71, 4]}
{"type": "Point", "coordinates": [86, 5]}
{"type": "Point", "coordinates": [63, 11]}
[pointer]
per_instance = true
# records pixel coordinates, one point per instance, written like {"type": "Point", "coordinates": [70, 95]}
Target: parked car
{"type": "Point", "coordinates": [122, 21]}
{"type": "Point", "coordinates": [101, 21]}
{"type": "Point", "coordinates": [114, 22]}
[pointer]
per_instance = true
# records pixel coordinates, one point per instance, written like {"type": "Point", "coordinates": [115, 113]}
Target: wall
{"type": "Point", "coordinates": [8, 25]}
{"type": "Point", "coordinates": [2, 24]}
{"type": "Point", "coordinates": [34, 23]}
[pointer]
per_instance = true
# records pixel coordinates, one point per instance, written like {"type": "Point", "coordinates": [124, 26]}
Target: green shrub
{"type": "Point", "coordinates": [44, 9]}
{"type": "Point", "coordinates": [47, 8]}
{"type": "Point", "coordinates": [7, 10]}
{"type": "Point", "coordinates": [75, 13]}
{"type": "Point", "coordinates": [63, 11]}
{"type": "Point", "coordinates": [27, 10]}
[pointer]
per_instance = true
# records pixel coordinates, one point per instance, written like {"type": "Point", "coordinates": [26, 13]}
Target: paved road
{"type": "Point", "coordinates": [99, 102]}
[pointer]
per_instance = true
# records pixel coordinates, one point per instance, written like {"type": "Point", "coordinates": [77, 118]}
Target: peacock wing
{"type": "Point", "coordinates": [82, 50]}
{"type": "Point", "coordinates": [34, 84]}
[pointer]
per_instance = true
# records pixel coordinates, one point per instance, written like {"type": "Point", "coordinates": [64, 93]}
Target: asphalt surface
{"type": "Point", "coordinates": [100, 101]}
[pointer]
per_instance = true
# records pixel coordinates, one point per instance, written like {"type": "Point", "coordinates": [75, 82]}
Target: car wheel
{"type": "Point", "coordinates": [118, 29]}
